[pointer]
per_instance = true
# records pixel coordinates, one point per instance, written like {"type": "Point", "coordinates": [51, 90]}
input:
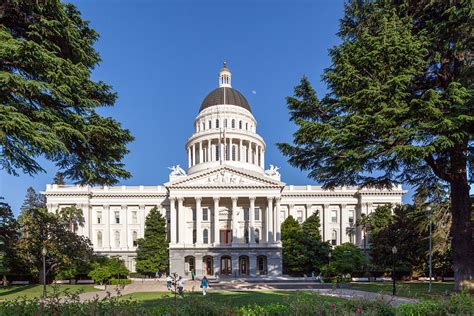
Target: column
{"type": "Point", "coordinates": [261, 155]}
{"type": "Point", "coordinates": [270, 220]}
{"type": "Point", "coordinates": [173, 220]}
{"type": "Point", "coordinates": [193, 155]}
{"type": "Point", "coordinates": [141, 219]}
{"type": "Point", "coordinates": [125, 225]}
{"type": "Point", "coordinates": [252, 220]}
{"type": "Point", "coordinates": [108, 232]}
{"type": "Point", "coordinates": [189, 157]}
{"type": "Point", "coordinates": [241, 156]}
{"type": "Point", "coordinates": [235, 223]}
{"type": "Point", "coordinates": [291, 210]}
{"type": "Point", "coordinates": [230, 149]}
{"type": "Point", "coordinates": [277, 220]}
{"type": "Point", "coordinates": [198, 220]}
{"type": "Point", "coordinates": [326, 225]}
{"type": "Point", "coordinates": [181, 220]}
{"type": "Point", "coordinates": [263, 158]}
{"type": "Point", "coordinates": [200, 152]}
{"type": "Point", "coordinates": [308, 211]}
{"type": "Point", "coordinates": [342, 222]}
{"type": "Point", "coordinates": [216, 220]}
{"type": "Point", "coordinates": [209, 156]}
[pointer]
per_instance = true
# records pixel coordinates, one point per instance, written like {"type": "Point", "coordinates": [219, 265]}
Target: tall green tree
{"type": "Point", "coordinates": [8, 237]}
{"type": "Point", "coordinates": [40, 228]}
{"type": "Point", "coordinates": [49, 101]}
{"type": "Point", "coordinates": [347, 258]}
{"type": "Point", "coordinates": [32, 200]}
{"type": "Point", "coordinates": [152, 251]}
{"type": "Point", "coordinates": [294, 256]}
{"type": "Point", "coordinates": [316, 250]}
{"type": "Point", "coordinates": [399, 108]}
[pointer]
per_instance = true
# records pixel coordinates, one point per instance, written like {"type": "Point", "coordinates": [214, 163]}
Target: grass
{"type": "Point", "coordinates": [31, 291]}
{"type": "Point", "coordinates": [407, 289]}
{"type": "Point", "coordinates": [228, 298]}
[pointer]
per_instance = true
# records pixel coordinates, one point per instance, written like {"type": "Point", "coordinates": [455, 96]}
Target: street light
{"type": "Point", "coordinates": [430, 216]}
{"type": "Point", "coordinates": [394, 252]}
{"type": "Point", "coordinates": [44, 252]}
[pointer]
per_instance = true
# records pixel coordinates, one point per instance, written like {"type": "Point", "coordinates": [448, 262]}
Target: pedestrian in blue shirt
{"type": "Point", "coordinates": [204, 285]}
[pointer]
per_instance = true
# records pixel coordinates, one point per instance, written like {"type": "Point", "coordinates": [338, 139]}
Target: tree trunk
{"type": "Point", "coordinates": [461, 232]}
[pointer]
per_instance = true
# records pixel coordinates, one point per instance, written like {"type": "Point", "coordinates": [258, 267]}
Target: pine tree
{"type": "Point", "coordinates": [49, 101]}
{"type": "Point", "coordinates": [32, 200]}
{"type": "Point", "coordinates": [8, 237]}
{"type": "Point", "coordinates": [152, 251]}
{"type": "Point", "coordinates": [311, 226]}
{"type": "Point", "coordinates": [58, 178]}
{"type": "Point", "coordinates": [399, 107]}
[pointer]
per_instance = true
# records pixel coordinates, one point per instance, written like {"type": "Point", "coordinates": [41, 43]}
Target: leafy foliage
{"type": "Point", "coordinates": [8, 237]}
{"type": "Point", "coordinates": [64, 248]}
{"type": "Point", "coordinates": [399, 107]}
{"type": "Point", "coordinates": [105, 268]}
{"type": "Point", "coordinates": [48, 99]}
{"type": "Point", "coordinates": [152, 251]}
{"type": "Point", "coordinates": [72, 216]}
{"type": "Point", "coordinates": [347, 259]}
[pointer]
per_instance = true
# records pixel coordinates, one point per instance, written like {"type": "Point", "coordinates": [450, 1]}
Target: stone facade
{"type": "Point", "coordinates": [224, 213]}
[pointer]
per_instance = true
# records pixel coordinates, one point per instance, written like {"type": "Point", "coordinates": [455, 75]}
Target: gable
{"type": "Point", "coordinates": [225, 176]}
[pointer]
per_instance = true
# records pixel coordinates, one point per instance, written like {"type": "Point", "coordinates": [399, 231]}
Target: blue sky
{"type": "Point", "coordinates": [162, 58]}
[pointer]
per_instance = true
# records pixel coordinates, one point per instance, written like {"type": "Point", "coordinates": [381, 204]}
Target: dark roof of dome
{"type": "Point", "coordinates": [232, 97]}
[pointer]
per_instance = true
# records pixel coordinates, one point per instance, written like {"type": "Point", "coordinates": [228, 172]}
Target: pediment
{"type": "Point", "coordinates": [225, 176]}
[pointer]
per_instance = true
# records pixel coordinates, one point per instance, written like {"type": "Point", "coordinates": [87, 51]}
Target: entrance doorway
{"type": "Point", "coordinates": [226, 265]}
{"type": "Point", "coordinates": [208, 265]}
{"type": "Point", "coordinates": [244, 265]}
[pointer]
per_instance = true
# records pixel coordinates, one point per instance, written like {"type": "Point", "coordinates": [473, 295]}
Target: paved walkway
{"type": "Point", "coordinates": [323, 289]}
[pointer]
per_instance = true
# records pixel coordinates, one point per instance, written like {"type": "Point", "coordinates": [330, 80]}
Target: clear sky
{"type": "Point", "coordinates": [163, 57]}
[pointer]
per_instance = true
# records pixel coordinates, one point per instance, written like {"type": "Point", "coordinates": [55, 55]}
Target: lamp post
{"type": "Point", "coordinates": [394, 252]}
{"type": "Point", "coordinates": [430, 217]}
{"type": "Point", "coordinates": [44, 252]}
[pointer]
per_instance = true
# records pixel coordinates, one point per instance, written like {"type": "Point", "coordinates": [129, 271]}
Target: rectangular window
{"type": "Point", "coordinates": [334, 216]}
{"type": "Point", "coordinates": [99, 217]}
{"type": "Point", "coordinates": [194, 214]}
{"type": "Point", "coordinates": [117, 217]}
{"type": "Point", "coordinates": [351, 217]}
{"type": "Point", "coordinates": [299, 216]}
{"type": "Point", "coordinates": [257, 213]}
{"type": "Point", "coordinates": [194, 236]}
{"type": "Point", "coordinates": [246, 213]}
{"type": "Point", "coordinates": [205, 214]}
{"type": "Point", "coordinates": [217, 152]}
{"type": "Point", "coordinates": [134, 217]}
{"type": "Point", "coordinates": [282, 216]}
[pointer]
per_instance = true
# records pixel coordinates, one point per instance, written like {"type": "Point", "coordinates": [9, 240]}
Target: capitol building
{"type": "Point", "coordinates": [225, 210]}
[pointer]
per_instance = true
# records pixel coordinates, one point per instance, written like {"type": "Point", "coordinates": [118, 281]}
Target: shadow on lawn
{"type": "Point", "coordinates": [14, 289]}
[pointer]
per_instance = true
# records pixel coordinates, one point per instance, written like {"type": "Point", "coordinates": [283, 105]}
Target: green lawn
{"type": "Point", "coordinates": [31, 291]}
{"type": "Point", "coordinates": [407, 289]}
{"type": "Point", "coordinates": [228, 298]}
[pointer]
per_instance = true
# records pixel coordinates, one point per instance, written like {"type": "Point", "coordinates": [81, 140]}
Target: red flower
{"type": "Point", "coordinates": [359, 310]}
{"type": "Point", "coordinates": [333, 306]}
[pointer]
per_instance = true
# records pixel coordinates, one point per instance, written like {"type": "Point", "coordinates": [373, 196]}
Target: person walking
{"type": "Point", "coordinates": [181, 286]}
{"type": "Point", "coordinates": [169, 282]}
{"type": "Point", "coordinates": [204, 285]}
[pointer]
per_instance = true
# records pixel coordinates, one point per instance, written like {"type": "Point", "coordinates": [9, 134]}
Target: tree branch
{"type": "Point", "coordinates": [437, 169]}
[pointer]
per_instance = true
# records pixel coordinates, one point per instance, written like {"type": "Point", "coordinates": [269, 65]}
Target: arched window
{"type": "Point", "coordinates": [117, 238]}
{"type": "Point", "coordinates": [334, 238]}
{"type": "Point", "coordinates": [233, 123]}
{"type": "Point", "coordinates": [234, 150]}
{"type": "Point", "coordinates": [257, 235]}
{"type": "Point", "coordinates": [135, 238]}
{"type": "Point", "coordinates": [205, 236]}
{"type": "Point", "coordinates": [240, 124]}
{"type": "Point", "coordinates": [210, 124]}
{"type": "Point", "coordinates": [217, 123]}
{"type": "Point", "coordinates": [99, 239]}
